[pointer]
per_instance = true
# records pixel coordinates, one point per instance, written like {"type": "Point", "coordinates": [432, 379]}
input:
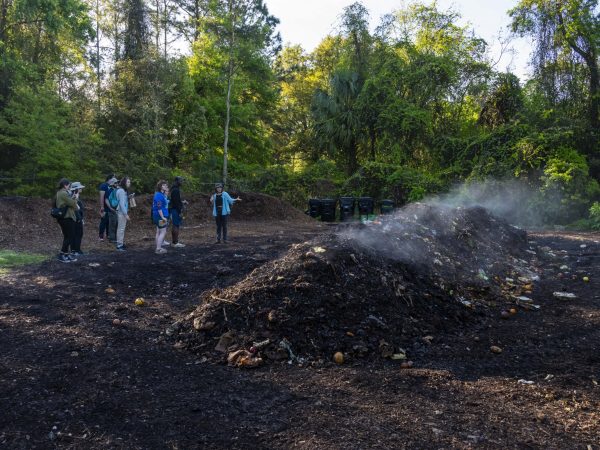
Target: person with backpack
{"type": "Point", "coordinates": [122, 194]}
{"type": "Point", "coordinates": [64, 200]}
{"type": "Point", "coordinates": [104, 190]}
{"type": "Point", "coordinates": [176, 207]}
{"type": "Point", "coordinates": [160, 215]}
{"type": "Point", "coordinates": [222, 203]}
{"type": "Point", "coordinates": [76, 188]}
{"type": "Point", "coordinates": [112, 202]}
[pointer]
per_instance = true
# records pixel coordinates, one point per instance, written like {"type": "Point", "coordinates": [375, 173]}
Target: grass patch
{"type": "Point", "coordinates": [9, 258]}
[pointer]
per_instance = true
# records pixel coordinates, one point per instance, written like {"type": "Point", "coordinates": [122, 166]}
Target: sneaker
{"type": "Point", "coordinates": [179, 245]}
{"type": "Point", "coordinates": [121, 248]}
{"type": "Point", "coordinates": [71, 257]}
{"type": "Point", "coordinates": [165, 243]}
{"type": "Point", "coordinates": [101, 239]}
{"type": "Point", "coordinates": [64, 258]}
{"type": "Point", "coordinates": [79, 253]}
{"type": "Point", "coordinates": [218, 241]}
{"type": "Point", "coordinates": [160, 251]}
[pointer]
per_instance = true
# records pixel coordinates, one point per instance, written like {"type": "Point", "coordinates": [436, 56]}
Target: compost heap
{"type": "Point", "coordinates": [365, 290]}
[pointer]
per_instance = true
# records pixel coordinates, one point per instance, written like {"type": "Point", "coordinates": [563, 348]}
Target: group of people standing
{"type": "Point", "coordinates": [115, 200]}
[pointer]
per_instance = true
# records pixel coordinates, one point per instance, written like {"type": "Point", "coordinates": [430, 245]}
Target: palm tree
{"type": "Point", "coordinates": [337, 118]}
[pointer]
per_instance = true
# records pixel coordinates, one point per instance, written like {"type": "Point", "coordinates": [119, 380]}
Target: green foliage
{"type": "Point", "coordinates": [595, 216]}
{"type": "Point", "coordinates": [400, 183]}
{"type": "Point", "coordinates": [566, 188]}
{"type": "Point", "coordinates": [43, 142]}
{"type": "Point", "coordinates": [401, 113]}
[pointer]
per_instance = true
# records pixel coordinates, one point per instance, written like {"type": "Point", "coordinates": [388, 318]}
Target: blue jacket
{"type": "Point", "coordinates": [159, 202]}
{"type": "Point", "coordinates": [227, 202]}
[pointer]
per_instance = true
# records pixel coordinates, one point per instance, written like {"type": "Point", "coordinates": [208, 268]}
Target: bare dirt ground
{"type": "Point", "coordinates": [73, 377]}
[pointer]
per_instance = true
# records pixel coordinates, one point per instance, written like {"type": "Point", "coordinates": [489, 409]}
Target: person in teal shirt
{"type": "Point", "coordinates": [222, 202]}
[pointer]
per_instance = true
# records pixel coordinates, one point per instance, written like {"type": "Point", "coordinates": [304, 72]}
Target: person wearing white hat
{"type": "Point", "coordinates": [112, 203]}
{"type": "Point", "coordinates": [75, 190]}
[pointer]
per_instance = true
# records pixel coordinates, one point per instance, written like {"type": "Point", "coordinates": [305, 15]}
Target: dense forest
{"type": "Point", "coordinates": [406, 110]}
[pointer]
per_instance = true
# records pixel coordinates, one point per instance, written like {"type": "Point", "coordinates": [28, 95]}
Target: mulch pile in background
{"type": "Point", "coordinates": [366, 291]}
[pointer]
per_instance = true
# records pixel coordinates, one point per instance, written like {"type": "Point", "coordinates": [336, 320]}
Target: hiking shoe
{"type": "Point", "coordinates": [121, 248]}
{"type": "Point", "coordinates": [160, 251]}
{"type": "Point", "coordinates": [63, 258]}
{"type": "Point", "coordinates": [71, 257]}
{"type": "Point", "coordinates": [165, 243]}
{"type": "Point", "coordinates": [179, 245]}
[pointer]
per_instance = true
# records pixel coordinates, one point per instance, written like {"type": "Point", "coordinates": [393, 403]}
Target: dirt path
{"type": "Point", "coordinates": [71, 378]}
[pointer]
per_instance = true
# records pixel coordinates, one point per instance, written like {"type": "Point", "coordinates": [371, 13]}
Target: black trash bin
{"type": "Point", "coordinates": [387, 206]}
{"type": "Point", "coordinates": [328, 209]}
{"type": "Point", "coordinates": [347, 205]}
{"type": "Point", "coordinates": [366, 206]}
{"type": "Point", "coordinates": [314, 207]}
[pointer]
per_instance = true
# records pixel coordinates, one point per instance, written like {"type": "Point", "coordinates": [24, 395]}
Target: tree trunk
{"type": "Point", "coordinates": [166, 26]}
{"type": "Point", "coordinates": [227, 118]}
{"type": "Point", "coordinates": [98, 76]}
{"type": "Point", "coordinates": [594, 92]}
{"type": "Point", "coordinates": [230, 73]}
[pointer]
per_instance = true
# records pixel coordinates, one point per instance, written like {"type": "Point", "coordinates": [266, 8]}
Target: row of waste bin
{"type": "Point", "coordinates": [326, 208]}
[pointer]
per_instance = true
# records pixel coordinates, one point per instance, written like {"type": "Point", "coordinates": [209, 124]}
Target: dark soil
{"type": "Point", "coordinates": [73, 377]}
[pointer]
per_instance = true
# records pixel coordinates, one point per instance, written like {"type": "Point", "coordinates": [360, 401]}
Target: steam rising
{"type": "Point", "coordinates": [513, 201]}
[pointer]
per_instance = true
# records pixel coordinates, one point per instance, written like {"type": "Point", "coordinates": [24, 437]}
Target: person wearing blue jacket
{"type": "Point", "coordinates": [160, 214]}
{"type": "Point", "coordinates": [221, 203]}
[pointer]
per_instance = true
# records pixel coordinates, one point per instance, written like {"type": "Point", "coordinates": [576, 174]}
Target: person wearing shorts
{"type": "Point", "coordinates": [176, 207]}
{"type": "Point", "coordinates": [160, 215]}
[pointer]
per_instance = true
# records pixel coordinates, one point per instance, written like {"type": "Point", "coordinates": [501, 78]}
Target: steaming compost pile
{"type": "Point", "coordinates": [364, 291]}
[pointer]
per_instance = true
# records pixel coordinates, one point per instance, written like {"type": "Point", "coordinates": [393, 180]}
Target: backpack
{"type": "Point", "coordinates": [58, 213]}
{"type": "Point", "coordinates": [113, 201]}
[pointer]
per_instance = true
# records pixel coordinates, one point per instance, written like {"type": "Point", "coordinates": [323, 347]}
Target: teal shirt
{"type": "Point", "coordinates": [227, 202]}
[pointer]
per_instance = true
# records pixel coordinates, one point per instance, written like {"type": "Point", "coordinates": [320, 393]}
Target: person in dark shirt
{"type": "Point", "coordinates": [176, 209]}
{"type": "Point", "coordinates": [222, 203]}
{"type": "Point", "coordinates": [104, 190]}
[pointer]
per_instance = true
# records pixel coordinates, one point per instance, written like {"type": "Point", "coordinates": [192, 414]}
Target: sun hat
{"type": "Point", "coordinates": [76, 185]}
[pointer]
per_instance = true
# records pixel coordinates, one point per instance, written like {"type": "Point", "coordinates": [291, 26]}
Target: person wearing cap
{"type": "Point", "coordinates": [176, 207]}
{"type": "Point", "coordinates": [64, 199]}
{"type": "Point", "coordinates": [122, 211]}
{"type": "Point", "coordinates": [75, 189]}
{"type": "Point", "coordinates": [103, 191]}
{"type": "Point", "coordinates": [113, 219]}
{"type": "Point", "coordinates": [222, 202]}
